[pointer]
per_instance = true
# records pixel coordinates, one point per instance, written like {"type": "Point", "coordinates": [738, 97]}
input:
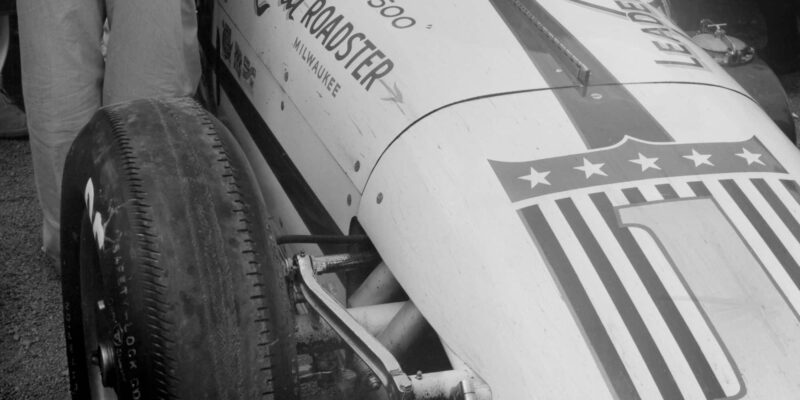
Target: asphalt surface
{"type": "Point", "coordinates": [32, 355]}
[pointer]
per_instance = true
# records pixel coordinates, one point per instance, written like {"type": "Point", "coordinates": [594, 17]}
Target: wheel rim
{"type": "Point", "coordinates": [99, 352]}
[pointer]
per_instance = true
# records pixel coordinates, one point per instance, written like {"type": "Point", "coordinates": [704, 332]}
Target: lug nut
{"type": "Point", "coordinates": [95, 357]}
{"type": "Point", "coordinates": [373, 382]}
{"type": "Point", "coordinates": [107, 363]}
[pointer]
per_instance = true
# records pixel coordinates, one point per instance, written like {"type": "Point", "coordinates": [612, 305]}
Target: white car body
{"type": "Point", "coordinates": [635, 237]}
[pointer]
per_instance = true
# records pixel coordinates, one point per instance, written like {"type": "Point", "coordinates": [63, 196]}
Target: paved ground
{"type": "Point", "coordinates": [32, 356]}
{"type": "Point", "coordinates": [32, 361]}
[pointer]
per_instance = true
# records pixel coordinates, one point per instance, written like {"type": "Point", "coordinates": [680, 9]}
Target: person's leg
{"type": "Point", "coordinates": [152, 50]}
{"type": "Point", "coordinates": [5, 38]}
{"type": "Point", "coordinates": [61, 80]}
{"type": "Point", "coordinates": [12, 119]}
{"type": "Point", "coordinates": [13, 124]}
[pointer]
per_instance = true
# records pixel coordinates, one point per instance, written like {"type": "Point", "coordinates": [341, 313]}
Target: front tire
{"type": "Point", "coordinates": [168, 265]}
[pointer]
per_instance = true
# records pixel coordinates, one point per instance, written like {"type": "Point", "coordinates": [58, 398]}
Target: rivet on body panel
{"type": "Point", "coordinates": [596, 96]}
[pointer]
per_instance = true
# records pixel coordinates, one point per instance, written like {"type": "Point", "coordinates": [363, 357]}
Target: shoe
{"type": "Point", "coordinates": [13, 124]}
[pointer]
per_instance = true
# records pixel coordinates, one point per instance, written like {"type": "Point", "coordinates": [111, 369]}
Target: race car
{"type": "Point", "coordinates": [454, 199]}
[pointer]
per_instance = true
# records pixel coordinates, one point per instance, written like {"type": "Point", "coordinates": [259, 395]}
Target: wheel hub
{"type": "Point", "coordinates": [104, 358]}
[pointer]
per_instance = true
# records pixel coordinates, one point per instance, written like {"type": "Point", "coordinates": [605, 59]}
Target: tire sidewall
{"type": "Point", "coordinates": [93, 189]}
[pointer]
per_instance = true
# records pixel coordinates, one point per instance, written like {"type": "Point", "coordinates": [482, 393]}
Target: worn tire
{"type": "Point", "coordinates": [162, 222]}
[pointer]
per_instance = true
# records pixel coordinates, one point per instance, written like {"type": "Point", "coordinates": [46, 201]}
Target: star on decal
{"type": "Point", "coordinates": [646, 162]}
{"type": "Point", "coordinates": [699, 159]}
{"type": "Point", "coordinates": [591, 169]}
{"type": "Point", "coordinates": [536, 177]}
{"type": "Point", "coordinates": [750, 157]}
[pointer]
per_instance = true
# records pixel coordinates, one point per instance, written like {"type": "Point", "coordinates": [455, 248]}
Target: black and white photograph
{"type": "Point", "coordinates": [399, 199]}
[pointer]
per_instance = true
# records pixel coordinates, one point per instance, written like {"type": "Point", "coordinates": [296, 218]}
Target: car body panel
{"type": "Point", "coordinates": [680, 297]}
{"type": "Point", "coordinates": [441, 60]}
{"type": "Point", "coordinates": [516, 206]}
{"type": "Point", "coordinates": [256, 102]}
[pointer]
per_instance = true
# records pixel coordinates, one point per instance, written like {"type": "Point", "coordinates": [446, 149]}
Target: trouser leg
{"type": "Point", "coordinates": [152, 50]}
{"type": "Point", "coordinates": [62, 76]}
{"type": "Point", "coordinates": [5, 38]}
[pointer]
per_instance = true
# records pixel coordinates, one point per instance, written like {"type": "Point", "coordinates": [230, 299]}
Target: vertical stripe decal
{"type": "Point", "coordinates": [633, 195]}
{"type": "Point", "coordinates": [580, 303]}
{"type": "Point", "coordinates": [700, 189]}
{"type": "Point", "coordinates": [677, 325]}
{"type": "Point", "coordinates": [630, 315]}
{"type": "Point", "coordinates": [791, 187]}
{"type": "Point", "coordinates": [783, 213]}
{"type": "Point", "coordinates": [604, 118]}
{"type": "Point", "coordinates": [769, 236]}
{"type": "Point", "coordinates": [667, 191]}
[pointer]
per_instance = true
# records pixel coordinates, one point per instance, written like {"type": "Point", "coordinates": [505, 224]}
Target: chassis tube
{"type": "Point", "coordinates": [379, 287]}
{"type": "Point", "coordinates": [403, 330]}
{"type": "Point", "coordinates": [376, 318]}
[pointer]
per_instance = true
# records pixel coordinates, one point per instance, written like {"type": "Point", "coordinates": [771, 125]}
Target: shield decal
{"type": "Point", "coordinates": [680, 262]}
